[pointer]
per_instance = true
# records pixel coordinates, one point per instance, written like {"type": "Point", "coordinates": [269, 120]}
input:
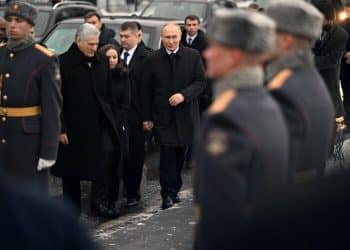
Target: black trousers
{"type": "Point", "coordinates": [133, 166]}
{"type": "Point", "coordinates": [105, 189]}
{"type": "Point", "coordinates": [106, 186]}
{"type": "Point", "coordinates": [170, 167]}
{"type": "Point", "coordinates": [71, 192]}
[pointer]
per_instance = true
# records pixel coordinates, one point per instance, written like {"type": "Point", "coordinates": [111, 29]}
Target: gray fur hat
{"type": "Point", "coordinates": [243, 29]}
{"type": "Point", "coordinates": [296, 17]}
{"type": "Point", "coordinates": [23, 10]}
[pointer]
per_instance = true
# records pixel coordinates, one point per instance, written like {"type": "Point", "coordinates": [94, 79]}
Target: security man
{"type": "Point", "coordinates": [243, 150]}
{"type": "Point", "coordinates": [30, 100]}
{"type": "Point", "coordinates": [298, 87]}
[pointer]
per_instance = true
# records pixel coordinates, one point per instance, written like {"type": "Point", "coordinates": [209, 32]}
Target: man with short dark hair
{"type": "Point", "coordinates": [193, 37]}
{"type": "Point", "coordinates": [328, 50]}
{"type": "Point", "coordinates": [107, 35]}
{"type": "Point", "coordinates": [134, 54]}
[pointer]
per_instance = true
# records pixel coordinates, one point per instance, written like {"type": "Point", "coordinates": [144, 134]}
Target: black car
{"type": "Point", "coordinates": [48, 16]}
{"type": "Point", "coordinates": [179, 9]}
{"type": "Point", "coordinates": [62, 34]}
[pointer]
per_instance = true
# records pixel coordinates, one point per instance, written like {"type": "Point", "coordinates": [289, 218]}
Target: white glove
{"type": "Point", "coordinates": [43, 164]}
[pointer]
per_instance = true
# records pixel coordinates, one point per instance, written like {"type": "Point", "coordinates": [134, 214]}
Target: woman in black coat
{"type": "Point", "coordinates": [120, 92]}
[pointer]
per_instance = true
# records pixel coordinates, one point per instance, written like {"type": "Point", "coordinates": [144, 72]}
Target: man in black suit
{"type": "Point", "coordinates": [173, 79]}
{"type": "Point", "coordinates": [345, 66]}
{"type": "Point", "coordinates": [107, 35]}
{"type": "Point", "coordinates": [193, 37]}
{"type": "Point", "coordinates": [329, 50]}
{"type": "Point", "coordinates": [133, 55]}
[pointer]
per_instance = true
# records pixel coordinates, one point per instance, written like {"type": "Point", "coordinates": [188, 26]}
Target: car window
{"type": "Point", "coordinates": [176, 10]}
{"type": "Point", "coordinates": [61, 39]}
{"type": "Point", "coordinates": [66, 13]}
{"type": "Point", "coordinates": [41, 22]}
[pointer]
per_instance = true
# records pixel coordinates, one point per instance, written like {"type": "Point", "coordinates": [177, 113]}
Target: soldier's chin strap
{"type": "Point", "coordinates": [44, 164]}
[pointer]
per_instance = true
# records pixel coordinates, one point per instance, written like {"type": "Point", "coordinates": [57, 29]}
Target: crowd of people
{"type": "Point", "coordinates": [251, 104]}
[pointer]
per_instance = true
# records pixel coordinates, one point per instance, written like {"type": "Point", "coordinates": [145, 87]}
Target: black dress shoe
{"type": "Point", "coordinates": [175, 199]}
{"type": "Point", "coordinates": [167, 202]}
{"type": "Point", "coordinates": [132, 203]}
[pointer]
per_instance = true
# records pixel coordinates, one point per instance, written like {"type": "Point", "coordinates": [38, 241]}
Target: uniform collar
{"type": "Point", "coordinates": [18, 45]}
{"type": "Point", "coordinates": [248, 77]}
{"type": "Point", "coordinates": [297, 59]}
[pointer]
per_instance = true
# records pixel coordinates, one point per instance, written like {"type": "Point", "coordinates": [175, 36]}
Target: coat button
{"type": "Point", "coordinates": [4, 97]}
{"type": "Point", "coordinates": [12, 55]}
{"type": "Point", "coordinates": [3, 119]}
{"type": "Point", "coordinates": [3, 141]}
{"type": "Point", "coordinates": [7, 75]}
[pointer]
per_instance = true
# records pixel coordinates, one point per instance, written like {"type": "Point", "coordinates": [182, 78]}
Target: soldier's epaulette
{"type": "Point", "coordinates": [222, 102]}
{"type": "Point", "coordinates": [44, 50]}
{"type": "Point", "coordinates": [279, 80]}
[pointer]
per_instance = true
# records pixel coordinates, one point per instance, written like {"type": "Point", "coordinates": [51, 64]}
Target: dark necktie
{"type": "Point", "coordinates": [126, 55]}
{"type": "Point", "coordinates": [190, 41]}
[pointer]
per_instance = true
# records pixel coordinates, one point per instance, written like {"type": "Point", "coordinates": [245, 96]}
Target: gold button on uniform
{"type": "Point", "coordinates": [3, 141]}
{"type": "Point", "coordinates": [12, 55]}
{"type": "Point", "coordinates": [7, 75]}
{"type": "Point", "coordinates": [3, 119]}
{"type": "Point", "coordinates": [4, 97]}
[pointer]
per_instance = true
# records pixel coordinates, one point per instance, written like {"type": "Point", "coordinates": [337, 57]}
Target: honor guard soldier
{"type": "Point", "coordinates": [299, 89]}
{"type": "Point", "coordinates": [243, 148]}
{"type": "Point", "coordinates": [30, 100]}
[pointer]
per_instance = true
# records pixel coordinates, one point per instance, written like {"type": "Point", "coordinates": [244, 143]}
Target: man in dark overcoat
{"type": "Point", "coordinates": [133, 54]}
{"type": "Point", "coordinates": [297, 86]}
{"type": "Point", "coordinates": [328, 50]}
{"type": "Point", "coordinates": [243, 145]}
{"type": "Point", "coordinates": [89, 146]}
{"type": "Point", "coordinates": [173, 79]}
{"type": "Point", "coordinates": [30, 100]}
{"type": "Point", "coordinates": [195, 38]}
{"type": "Point", "coordinates": [345, 66]}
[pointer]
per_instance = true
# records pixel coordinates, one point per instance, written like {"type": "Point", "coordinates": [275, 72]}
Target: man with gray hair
{"type": "Point", "coordinates": [243, 148]}
{"type": "Point", "coordinates": [299, 89]}
{"type": "Point", "coordinates": [88, 148]}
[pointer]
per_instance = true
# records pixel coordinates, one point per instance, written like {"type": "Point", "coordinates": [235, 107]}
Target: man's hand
{"type": "Point", "coordinates": [347, 57]}
{"type": "Point", "coordinates": [147, 125]}
{"type": "Point", "coordinates": [64, 139]}
{"type": "Point", "coordinates": [176, 99]}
